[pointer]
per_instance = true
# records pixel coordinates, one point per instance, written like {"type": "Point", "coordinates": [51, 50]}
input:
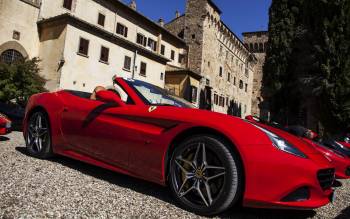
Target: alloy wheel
{"type": "Point", "coordinates": [199, 175]}
{"type": "Point", "coordinates": [38, 133]}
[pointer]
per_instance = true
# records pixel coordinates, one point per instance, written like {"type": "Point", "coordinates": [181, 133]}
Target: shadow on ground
{"type": "Point", "coordinates": [3, 138]}
{"type": "Point", "coordinates": [345, 214]}
{"type": "Point", "coordinates": [164, 194]}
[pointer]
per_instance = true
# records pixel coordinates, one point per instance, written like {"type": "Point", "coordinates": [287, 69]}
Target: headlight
{"type": "Point", "coordinates": [282, 144]}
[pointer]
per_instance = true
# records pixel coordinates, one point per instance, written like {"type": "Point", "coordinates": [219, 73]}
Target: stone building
{"type": "Point", "coordinates": [218, 55]}
{"type": "Point", "coordinates": [257, 44]}
{"type": "Point", "coordinates": [84, 43]}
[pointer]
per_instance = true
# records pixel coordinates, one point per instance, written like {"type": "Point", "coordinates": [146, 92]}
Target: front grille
{"type": "Point", "coordinates": [326, 178]}
{"type": "Point", "coordinates": [347, 172]}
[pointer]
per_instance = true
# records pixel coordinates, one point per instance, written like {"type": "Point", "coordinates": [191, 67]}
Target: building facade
{"type": "Point", "coordinates": [257, 44]}
{"type": "Point", "coordinates": [84, 43]}
{"type": "Point", "coordinates": [218, 55]}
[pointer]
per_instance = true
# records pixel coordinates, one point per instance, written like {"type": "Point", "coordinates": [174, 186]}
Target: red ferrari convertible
{"type": "Point", "coordinates": [5, 125]}
{"type": "Point", "coordinates": [209, 160]}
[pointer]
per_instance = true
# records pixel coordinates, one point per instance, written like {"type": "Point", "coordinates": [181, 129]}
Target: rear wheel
{"type": "Point", "coordinates": [38, 136]}
{"type": "Point", "coordinates": [205, 176]}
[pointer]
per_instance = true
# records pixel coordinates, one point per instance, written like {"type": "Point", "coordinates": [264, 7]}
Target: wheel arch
{"type": "Point", "coordinates": [182, 136]}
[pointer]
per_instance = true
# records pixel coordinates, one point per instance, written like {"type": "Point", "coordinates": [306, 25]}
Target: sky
{"type": "Point", "coordinates": [239, 15]}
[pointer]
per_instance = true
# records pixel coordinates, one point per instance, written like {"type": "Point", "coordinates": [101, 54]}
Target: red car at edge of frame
{"type": "Point", "coordinates": [5, 125]}
{"type": "Point", "coordinates": [210, 161]}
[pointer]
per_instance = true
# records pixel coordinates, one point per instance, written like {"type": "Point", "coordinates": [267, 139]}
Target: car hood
{"type": "Point", "coordinates": [297, 142]}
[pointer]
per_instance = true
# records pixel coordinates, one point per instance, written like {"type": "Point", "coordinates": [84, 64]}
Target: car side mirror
{"type": "Point", "coordinates": [109, 97]}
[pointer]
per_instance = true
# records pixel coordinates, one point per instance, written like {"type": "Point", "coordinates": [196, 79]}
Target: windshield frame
{"type": "Point", "coordinates": [180, 102]}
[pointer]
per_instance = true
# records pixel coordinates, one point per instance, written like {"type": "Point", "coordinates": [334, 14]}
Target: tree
{"type": "Point", "coordinates": [307, 65]}
{"type": "Point", "coordinates": [20, 80]}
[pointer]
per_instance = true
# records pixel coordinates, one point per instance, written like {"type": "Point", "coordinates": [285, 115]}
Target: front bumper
{"type": "Point", "coordinates": [270, 179]}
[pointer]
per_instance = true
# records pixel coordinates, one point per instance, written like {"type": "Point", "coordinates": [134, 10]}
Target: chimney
{"type": "Point", "coordinates": [177, 14]}
{"type": "Point", "coordinates": [161, 22]}
{"type": "Point", "coordinates": [133, 4]}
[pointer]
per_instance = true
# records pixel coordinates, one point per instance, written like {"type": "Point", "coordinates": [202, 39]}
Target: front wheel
{"type": "Point", "coordinates": [205, 176]}
{"type": "Point", "coordinates": [38, 136]}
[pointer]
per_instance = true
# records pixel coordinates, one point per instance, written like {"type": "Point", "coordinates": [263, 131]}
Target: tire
{"type": "Point", "coordinates": [38, 136]}
{"type": "Point", "coordinates": [221, 175]}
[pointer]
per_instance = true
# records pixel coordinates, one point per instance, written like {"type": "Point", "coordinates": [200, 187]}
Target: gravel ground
{"type": "Point", "coordinates": [64, 188]}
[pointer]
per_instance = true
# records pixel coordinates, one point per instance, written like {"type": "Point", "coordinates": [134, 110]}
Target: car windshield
{"type": "Point", "coordinates": [153, 95]}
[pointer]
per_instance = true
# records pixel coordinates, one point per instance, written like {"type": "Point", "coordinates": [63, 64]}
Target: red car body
{"type": "Point", "coordinates": [340, 162]}
{"type": "Point", "coordinates": [137, 139]}
{"type": "Point", "coordinates": [5, 125]}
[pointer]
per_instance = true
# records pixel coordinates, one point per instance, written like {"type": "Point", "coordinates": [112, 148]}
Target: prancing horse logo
{"type": "Point", "coordinates": [152, 108]}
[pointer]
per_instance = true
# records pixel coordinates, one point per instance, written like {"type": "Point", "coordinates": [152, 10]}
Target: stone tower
{"type": "Point", "coordinates": [257, 44]}
{"type": "Point", "coordinates": [218, 55]}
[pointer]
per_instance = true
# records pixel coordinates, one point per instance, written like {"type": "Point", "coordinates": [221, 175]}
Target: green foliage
{"type": "Point", "coordinates": [20, 80]}
{"type": "Point", "coordinates": [308, 61]}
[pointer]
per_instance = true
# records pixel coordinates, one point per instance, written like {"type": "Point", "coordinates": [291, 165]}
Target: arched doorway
{"type": "Point", "coordinates": [10, 56]}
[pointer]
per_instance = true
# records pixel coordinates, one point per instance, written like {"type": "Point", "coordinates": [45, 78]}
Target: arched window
{"type": "Point", "coordinates": [256, 47]}
{"type": "Point", "coordinates": [251, 47]}
{"type": "Point", "coordinates": [10, 56]}
{"type": "Point", "coordinates": [261, 47]}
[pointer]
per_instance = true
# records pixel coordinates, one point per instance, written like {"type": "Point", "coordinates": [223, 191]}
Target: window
{"type": "Point", "coordinates": [207, 82]}
{"type": "Point", "coordinates": [240, 84]}
{"type": "Point", "coordinates": [208, 64]}
{"type": "Point", "coordinates": [172, 55]}
{"type": "Point", "coordinates": [220, 72]}
{"type": "Point", "coordinates": [83, 47]}
{"type": "Point", "coordinates": [10, 56]}
{"type": "Point", "coordinates": [68, 4]}
{"type": "Point", "coordinates": [193, 36]}
{"type": "Point", "coordinates": [141, 39]}
{"type": "Point", "coordinates": [162, 76]}
{"type": "Point", "coordinates": [216, 102]}
{"type": "Point", "coordinates": [246, 87]}
{"type": "Point", "coordinates": [181, 58]}
{"type": "Point", "coordinates": [127, 63]}
{"type": "Point", "coordinates": [256, 47]}
{"type": "Point", "coordinates": [229, 77]}
{"type": "Point", "coordinates": [122, 30]}
{"type": "Point", "coordinates": [227, 101]}
{"type": "Point", "coordinates": [143, 69]}
{"type": "Point", "coordinates": [251, 47]}
{"type": "Point", "coordinates": [162, 49]}
{"type": "Point", "coordinates": [222, 101]}
{"type": "Point", "coordinates": [104, 56]}
{"type": "Point", "coordinates": [261, 47]}
{"type": "Point", "coordinates": [152, 44]}
{"type": "Point", "coordinates": [234, 81]}
{"type": "Point", "coordinates": [101, 19]}
{"type": "Point", "coordinates": [194, 91]}
{"type": "Point", "coordinates": [246, 72]}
